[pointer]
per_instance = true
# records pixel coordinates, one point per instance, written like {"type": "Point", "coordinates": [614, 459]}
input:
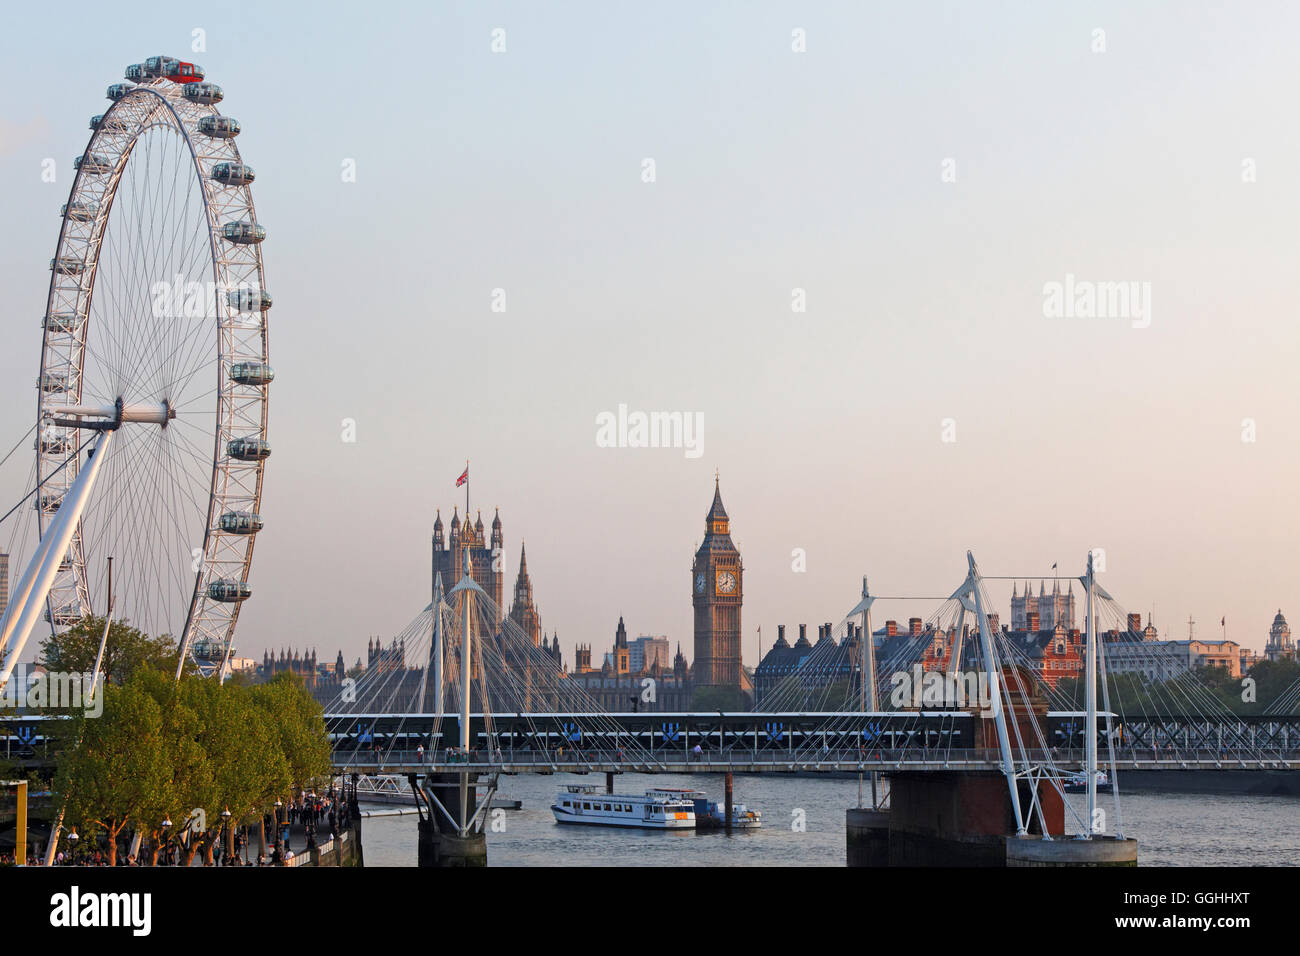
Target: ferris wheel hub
{"type": "Point", "coordinates": [75, 416]}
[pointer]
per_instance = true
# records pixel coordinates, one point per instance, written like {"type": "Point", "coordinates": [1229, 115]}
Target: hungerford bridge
{"type": "Point", "coordinates": [994, 744]}
{"type": "Point", "coordinates": [978, 767]}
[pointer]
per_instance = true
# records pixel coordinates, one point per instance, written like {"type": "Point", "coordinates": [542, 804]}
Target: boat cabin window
{"type": "Point", "coordinates": [586, 806]}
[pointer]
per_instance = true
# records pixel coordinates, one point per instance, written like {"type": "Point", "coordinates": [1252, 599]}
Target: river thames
{"type": "Point", "coordinates": [803, 825]}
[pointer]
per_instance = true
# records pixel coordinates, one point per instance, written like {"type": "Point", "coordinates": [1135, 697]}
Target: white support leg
{"type": "Point", "coordinates": [995, 686]}
{"type": "Point", "coordinates": [23, 590]}
{"type": "Point", "coordinates": [1090, 725]}
{"type": "Point", "coordinates": [60, 535]}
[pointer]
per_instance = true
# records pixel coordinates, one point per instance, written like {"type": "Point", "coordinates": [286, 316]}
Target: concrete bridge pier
{"type": "Point", "coordinates": [866, 835]}
{"type": "Point", "coordinates": [966, 819]}
{"type": "Point", "coordinates": [440, 843]}
{"type": "Point", "coordinates": [727, 801]}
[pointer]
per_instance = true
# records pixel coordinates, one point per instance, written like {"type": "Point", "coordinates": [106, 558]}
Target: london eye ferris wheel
{"type": "Point", "coordinates": [155, 335]}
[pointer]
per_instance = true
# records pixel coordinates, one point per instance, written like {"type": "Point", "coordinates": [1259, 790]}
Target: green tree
{"type": "Point", "coordinates": [1273, 679]}
{"type": "Point", "coordinates": [300, 723]}
{"type": "Point", "coordinates": [118, 771]}
{"type": "Point", "coordinates": [719, 698]}
{"type": "Point", "coordinates": [188, 760]}
{"type": "Point", "coordinates": [246, 766]}
{"type": "Point", "coordinates": [126, 650]}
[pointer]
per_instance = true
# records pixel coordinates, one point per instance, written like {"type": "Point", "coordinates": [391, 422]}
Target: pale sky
{"type": "Point", "coordinates": [1167, 159]}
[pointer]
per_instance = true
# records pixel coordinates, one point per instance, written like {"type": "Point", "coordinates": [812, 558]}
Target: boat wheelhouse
{"type": "Point", "coordinates": [653, 810]}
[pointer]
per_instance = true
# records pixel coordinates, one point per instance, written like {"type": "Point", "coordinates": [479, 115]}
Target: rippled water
{"type": "Point", "coordinates": [1172, 829]}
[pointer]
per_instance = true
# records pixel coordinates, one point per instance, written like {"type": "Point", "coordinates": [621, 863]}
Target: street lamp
{"type": "Point", "coordinates": [73, 840]}
{"type": "Point", "coordinates": [166, 826]}
{"type": "Point", "coordinates": [225, 822]}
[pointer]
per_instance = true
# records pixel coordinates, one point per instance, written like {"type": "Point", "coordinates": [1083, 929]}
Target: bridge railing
{"type": "Point", "coordinates": [831, 758]}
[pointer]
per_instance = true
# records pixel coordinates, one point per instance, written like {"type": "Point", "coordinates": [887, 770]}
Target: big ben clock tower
{"type": "Point", "coordinates": [716, 592]}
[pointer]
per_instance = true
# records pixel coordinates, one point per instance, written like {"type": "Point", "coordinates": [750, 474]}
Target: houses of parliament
{"type": "Point", "coordinates": [636, 674]}
{"type": "Point", "coordinates": [717, 593]}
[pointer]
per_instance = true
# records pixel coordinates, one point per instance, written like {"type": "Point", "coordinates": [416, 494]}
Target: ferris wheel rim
{"type": "Point", "coordinates": [144, 107]}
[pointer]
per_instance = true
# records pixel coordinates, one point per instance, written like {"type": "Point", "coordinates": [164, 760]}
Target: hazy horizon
{"type": "Point", "coordinates": [923, 174]}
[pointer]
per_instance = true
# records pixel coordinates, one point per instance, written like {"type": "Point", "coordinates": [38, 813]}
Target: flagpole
{"type": "Point", "coordinates": [467, 489]}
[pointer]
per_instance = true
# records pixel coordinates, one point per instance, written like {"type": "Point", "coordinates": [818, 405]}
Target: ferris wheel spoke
{"type": "Point", "coordinates": [186, 478]}
{"type": "Point", "coordinates": [186, 354]}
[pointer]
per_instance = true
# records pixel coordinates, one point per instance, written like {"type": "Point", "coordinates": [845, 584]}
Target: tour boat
{"type": "Point", "coordinates": [654, 810]}
{"type": "Point", "coordinates": [1078, 783]}
{"type": "Point", "coordinates": [712, 815]}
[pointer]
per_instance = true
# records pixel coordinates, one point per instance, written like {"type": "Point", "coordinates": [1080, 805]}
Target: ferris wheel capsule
{"type": "Point", "coordinates": [136, 73]}
{"type": "Point", "coordinates": [93, 163]}
{"type": "Point", "coordinates": [241, 522]}
{"type": "Point", "coordinates": [251, 373]}
{"type": "Point", "coordinates": [229, 592]}
{"type": "Point", "coordinates": [48, 504]}
{"type": "Point", "coordinates": [158, 66]}
{"type": "Point", "coordinates": [119, 90]}
{"type": "Point", "coordinates": [233, 174]}
{"type": "Point", "coordinates": [244, 232]}
{"type": "Point", "coordinates": [170, 68]}
{"type": "Point", "coordinates": [80, 211]}
{"type": "Point", "coordinates": [209, 94]}
{"type": "Point", "coordinates": [67, 266]}
{"type": "Point", "coordinates": [219, 127]}
{"type": "Point", "coordinates": [248, 449]}
{"type": "Point", "coordinates": [65, 615]}
{"type": "Point", "coordinates": [248, 300]}
{"type": "Point", "coordinates": [55, 380]}
{"type": "Point", "coordinates": [61, 323]}
{"type": "Point", "coordinates": [110, 124]}
{"type": "Point", "coordinates": [53, 440]}
{"type": "Point", "coordinates": [188, 73]}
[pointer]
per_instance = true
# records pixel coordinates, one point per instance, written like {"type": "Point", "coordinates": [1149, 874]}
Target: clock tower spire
{"type": "Point", "coordinates": [717, 594]}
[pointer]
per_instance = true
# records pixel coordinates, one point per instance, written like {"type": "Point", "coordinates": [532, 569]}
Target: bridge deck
{"type": "Point", "coordinates": [406, 762]}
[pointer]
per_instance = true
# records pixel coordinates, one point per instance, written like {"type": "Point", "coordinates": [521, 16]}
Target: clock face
{"type": "Point", "coordinates": [699, 584]}
{"type": "Point", "coordinates": [726, 582]}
